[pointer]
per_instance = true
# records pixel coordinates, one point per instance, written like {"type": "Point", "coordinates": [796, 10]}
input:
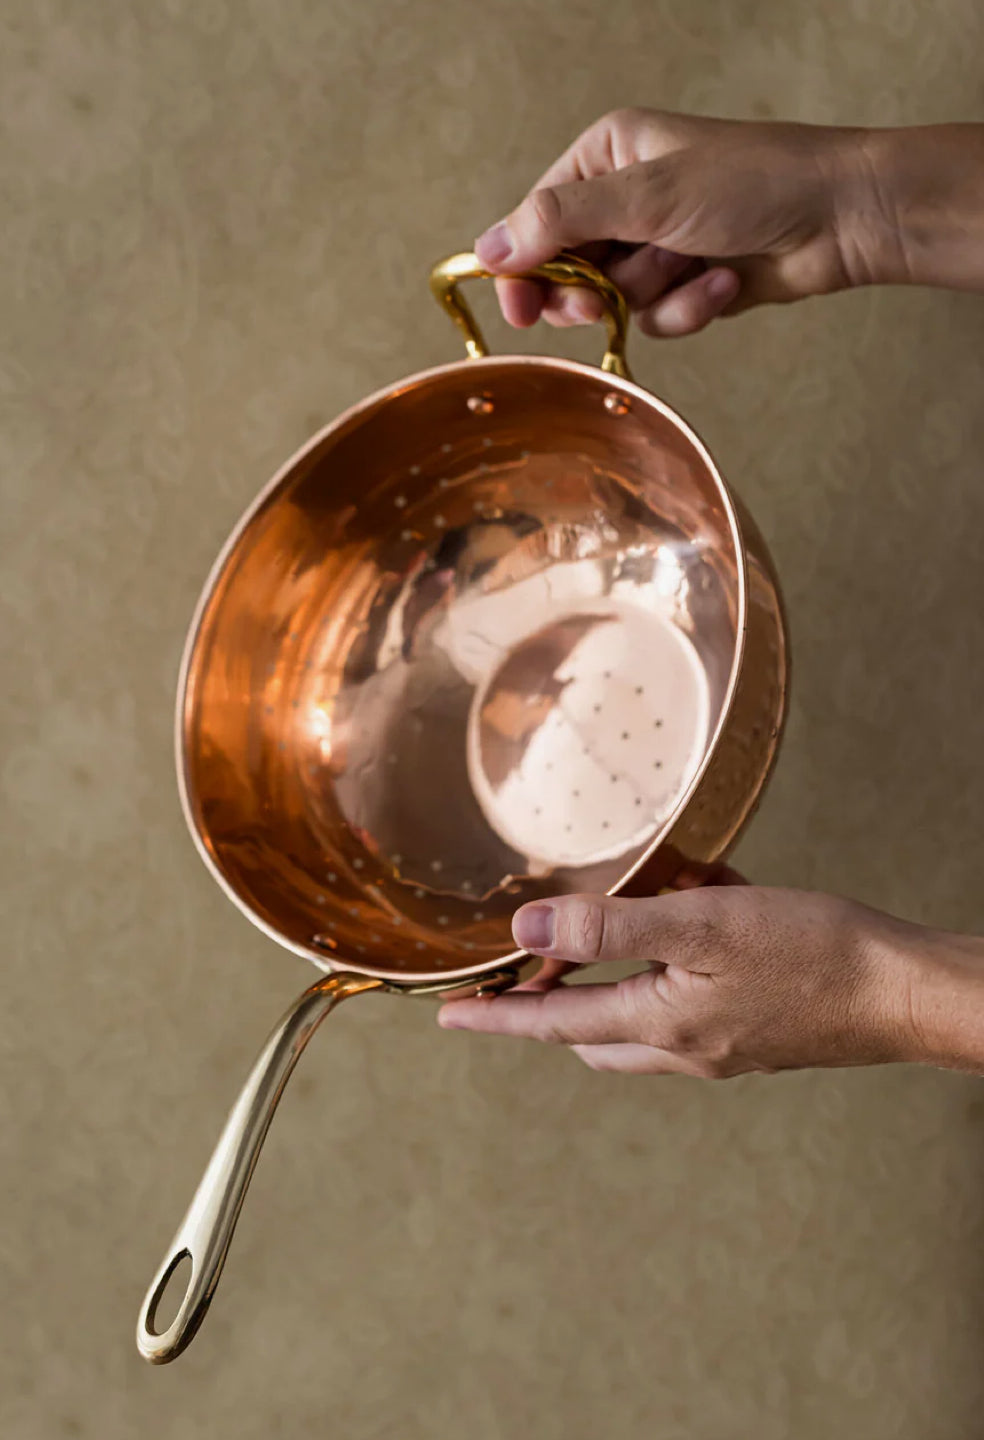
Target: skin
{"type": "Point", "coordinates": [697, 219]}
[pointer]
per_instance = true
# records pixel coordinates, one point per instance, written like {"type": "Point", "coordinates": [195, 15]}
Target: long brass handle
{"type": "Point", "coordinates": [206, 1231]}
{"type": "Point", "coordinates": [565, 270]}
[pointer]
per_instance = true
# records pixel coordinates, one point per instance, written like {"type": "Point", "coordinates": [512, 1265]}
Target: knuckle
{"type": "Point", "coordinates": [717, 1058]}
{"type": "Point", "coordinates": [553, 1034]}
{"type": "Point", "coordinates": [623, 119]}
{"type": "Point", "coordinates": [586, 930]}
{"type": "Point", "coordinates": [627, 121]}
{"type": "Point", "coordinates": [655, 190]}
{"type": "Point", "coordinates": [720, 1052]}
{"type": "Point", "coordinates": [545, 210]}
{"type": "Point", "coordinates": [708, 1069]}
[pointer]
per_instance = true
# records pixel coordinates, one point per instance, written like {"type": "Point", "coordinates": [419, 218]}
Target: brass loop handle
{"type": "Point", "coordinates": [565, 270]}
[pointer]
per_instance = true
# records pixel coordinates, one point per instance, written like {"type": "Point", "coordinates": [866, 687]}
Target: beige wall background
{"type": "Point", "coordinates": [216, 220]}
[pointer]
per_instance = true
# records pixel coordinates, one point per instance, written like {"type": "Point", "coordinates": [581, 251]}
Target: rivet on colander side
{"type": "Point", "coordinates": [616, 404]}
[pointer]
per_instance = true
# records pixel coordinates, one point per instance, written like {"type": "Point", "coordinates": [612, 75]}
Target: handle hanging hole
{"type": "Point", "coordinates": [160, 1317]}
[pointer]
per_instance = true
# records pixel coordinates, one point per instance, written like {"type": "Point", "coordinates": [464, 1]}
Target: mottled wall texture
{"type": "Point", "coordinates": [216, 218]}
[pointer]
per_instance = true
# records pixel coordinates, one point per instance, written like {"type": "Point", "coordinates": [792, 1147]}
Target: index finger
{"type": "Point", "coordinates": [590, 155]}
{"type": "Point", "coordinates": [574, 1015]}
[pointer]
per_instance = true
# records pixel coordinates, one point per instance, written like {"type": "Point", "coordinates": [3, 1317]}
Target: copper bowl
{"type": "Point", "coordinates": [499, 631]}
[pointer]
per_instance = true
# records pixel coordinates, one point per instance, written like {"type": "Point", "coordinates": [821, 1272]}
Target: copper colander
{"type": "Point", "coordinates": [499, 631]}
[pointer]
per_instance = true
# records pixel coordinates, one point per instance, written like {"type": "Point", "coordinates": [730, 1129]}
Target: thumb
{"type": "Point", "coordinates": [585, 929]}
{"type": "Point", "coordinates": [626, 205]}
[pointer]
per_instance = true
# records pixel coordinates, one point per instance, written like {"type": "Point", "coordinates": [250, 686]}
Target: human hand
{"type": "Point", "coordinates": [694, 218]}
{"type": "Point", "coordinates": [741, 979]}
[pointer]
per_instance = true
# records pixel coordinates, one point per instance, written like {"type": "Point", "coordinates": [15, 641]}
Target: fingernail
{"type": "Point", "coordinates": [495, 245]}
{"type": "Point", "coordinates": [582, 308]}
{"type": "Point", "coordinates": [533, 927]}
{"type": "Point", "coordinates": [672, 315]}
{"type": "Point", "coordinates": [447, 1019]}
{"type": "Point", "coordinates": [722, 285]}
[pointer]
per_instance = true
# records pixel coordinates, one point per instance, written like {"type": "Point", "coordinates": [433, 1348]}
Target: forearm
{"type": "Point", "coordinates": [911, 208]}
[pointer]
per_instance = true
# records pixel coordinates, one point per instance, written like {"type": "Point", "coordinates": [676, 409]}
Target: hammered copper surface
{"type": "Point", "coordinates": [461, 656]}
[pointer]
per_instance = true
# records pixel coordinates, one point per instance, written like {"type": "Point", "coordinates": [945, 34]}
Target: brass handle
{"type": "Point", "coordinates": [205, 1232]}
{"type": "Point", "coordinates": [565, 270]}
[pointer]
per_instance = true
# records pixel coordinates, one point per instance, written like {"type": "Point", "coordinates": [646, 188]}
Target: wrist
{"type": "Point", "coordinates": [942, 1009]}
{"type": "Point", "coordinates": [909, 206]}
